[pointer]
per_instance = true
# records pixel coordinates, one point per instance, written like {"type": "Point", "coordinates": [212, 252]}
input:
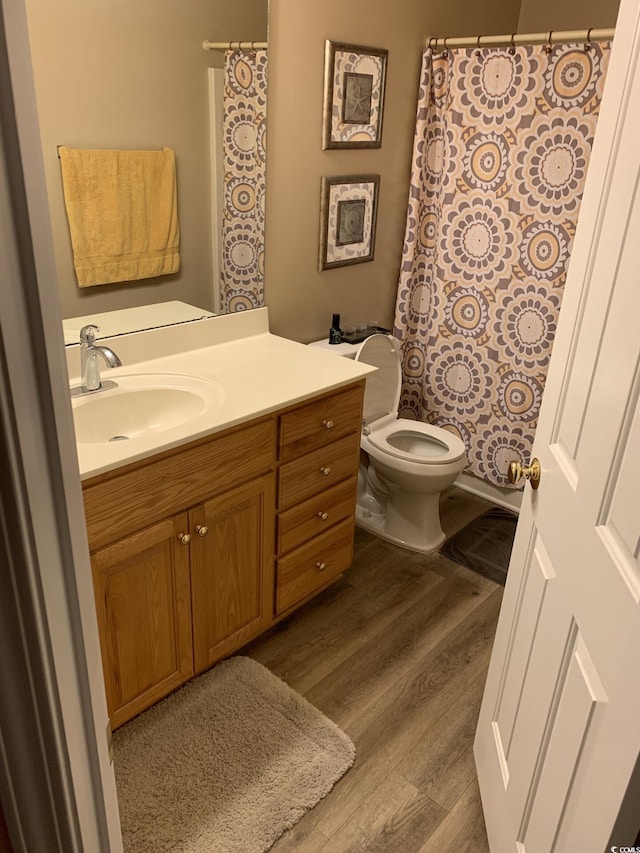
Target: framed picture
{"type": "Point", "coordinates": [354, 81]}
{"type": "Point", "coordinates": [348, 210]}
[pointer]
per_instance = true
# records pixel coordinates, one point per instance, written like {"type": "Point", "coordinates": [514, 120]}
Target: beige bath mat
{"type": "Point", "coordinates": [226, 764]}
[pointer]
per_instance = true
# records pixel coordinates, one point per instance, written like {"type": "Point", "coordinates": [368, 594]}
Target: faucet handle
{"type": "Point", "coordinates": [88, 334]}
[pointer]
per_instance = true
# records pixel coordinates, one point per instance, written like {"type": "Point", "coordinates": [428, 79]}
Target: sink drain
{"type": "Point", "coordinates": [119, 438]}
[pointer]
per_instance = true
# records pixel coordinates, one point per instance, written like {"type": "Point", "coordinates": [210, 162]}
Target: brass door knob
{"type": "Point", "coordinates": [323, 516]}
{"type": "Point", "coordinates": [202, 529]}
{"type": "Point", "coordinates": [321, 566]}
{"type": "Point", "coordinates": [184, 538]}
{"type": "Point", "coordinates": [327, 424]}
{"type": "Point", "coordinates": [325, 470]}
{"type": "Point", "coordinates": [518, 472]}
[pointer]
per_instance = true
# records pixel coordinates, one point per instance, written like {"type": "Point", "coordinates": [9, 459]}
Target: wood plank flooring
{"type": "Point", "coordinates": [396, 653]}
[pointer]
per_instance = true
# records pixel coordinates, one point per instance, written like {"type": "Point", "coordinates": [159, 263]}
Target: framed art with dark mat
{"type": "Point", "coordinates": [348, 211]}
{"type": "Point", "coordinates": [354, 83]}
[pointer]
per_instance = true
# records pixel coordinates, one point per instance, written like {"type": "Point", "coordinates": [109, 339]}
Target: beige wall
{"type": "Point", "coordinates": [133, 74]}
{"type": "Point", "coordinates": [542, 15]}
{"type": "Point", "coordinates": [301, 299]}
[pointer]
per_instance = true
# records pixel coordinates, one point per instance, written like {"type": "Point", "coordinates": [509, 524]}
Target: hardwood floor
{"type": "Point", "coordinates": [396, 653]}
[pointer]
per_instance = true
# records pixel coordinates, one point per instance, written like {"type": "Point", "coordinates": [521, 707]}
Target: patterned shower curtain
{"type": "Point", "coordinates": [244, 141]}
{"type": "Point", "coordinates": [502, 145]}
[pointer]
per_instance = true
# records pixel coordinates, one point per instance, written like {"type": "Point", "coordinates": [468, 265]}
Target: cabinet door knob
{"type": "Point", "coordinates": [202, 529]}
{"type": "Point", "coordinates": [325, 470]}
{"type": "Point", "coordinates": [323, 516]}
{"type": "Point", "coordinates": [184, 538]}
{"type": "Point", "coordinates": [321, 566]}
{"type": "Point", "coordinates": [327, 424]}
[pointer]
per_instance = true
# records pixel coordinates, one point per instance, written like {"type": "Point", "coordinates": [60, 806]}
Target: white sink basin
{"type": "Point", "coordinates": [141, 405]}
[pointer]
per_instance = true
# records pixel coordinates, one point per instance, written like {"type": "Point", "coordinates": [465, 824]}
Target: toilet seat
{"type": "Point", "coordinates": [417, 442]}
{"type": "Point", "coordinates": [411, 441]}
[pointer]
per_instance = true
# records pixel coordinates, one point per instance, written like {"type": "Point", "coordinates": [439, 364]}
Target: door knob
{"type": "Point", "coordinates": [518, 472]}
{"type": "Point", "coordinates": [184, 538]}
{"type": "Point", "coordinates": [202, 529]}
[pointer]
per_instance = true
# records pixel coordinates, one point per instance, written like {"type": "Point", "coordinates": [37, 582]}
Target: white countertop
{"type": "Point", "coordinates": [257, 372]}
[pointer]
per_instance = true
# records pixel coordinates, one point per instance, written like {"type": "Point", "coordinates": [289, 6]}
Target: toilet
{"type": "Point", "coordinates": [406, 464]}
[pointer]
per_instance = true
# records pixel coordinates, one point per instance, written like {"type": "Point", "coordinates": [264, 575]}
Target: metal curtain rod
{"type": "Point", "coordinates": [551, 37]}
{"type": "Point", "coordinates": [234, 45]}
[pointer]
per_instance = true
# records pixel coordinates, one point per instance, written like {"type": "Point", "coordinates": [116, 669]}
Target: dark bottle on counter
{"type": "Point", "coordinates": [335, 334]}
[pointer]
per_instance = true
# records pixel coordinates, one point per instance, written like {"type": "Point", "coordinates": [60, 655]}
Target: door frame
{"type": "Point", "coordinates": [57, 786]}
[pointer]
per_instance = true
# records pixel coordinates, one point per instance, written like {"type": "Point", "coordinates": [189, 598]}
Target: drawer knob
{"type": "Point", "coordinates": [202, 529]}
{"type": "Point", "coordinates": [327, 424]}
{"type": "Point", "coordinates": [325, 470]}
{"type": "Point", "coordinates": [323, 516]}
{"type": "Point", "coordinates": [321, 566]}
{"type": "Point", "coordinates": [184, 538]}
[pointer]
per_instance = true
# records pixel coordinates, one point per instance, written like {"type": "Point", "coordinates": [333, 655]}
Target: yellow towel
{"type": "Point", "coordinates": [123, 213]}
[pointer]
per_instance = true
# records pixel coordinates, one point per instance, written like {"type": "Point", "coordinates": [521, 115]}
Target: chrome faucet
{"type": "Point", "coordinates": [89, 368]}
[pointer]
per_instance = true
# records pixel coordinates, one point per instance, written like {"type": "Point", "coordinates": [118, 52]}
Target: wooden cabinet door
{"type": "Point", "coordinates": [231, 569]}
{"type": "Point", "coordinates": [143, 601]}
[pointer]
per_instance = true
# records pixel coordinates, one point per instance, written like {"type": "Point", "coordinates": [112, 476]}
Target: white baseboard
{"type": "Point", "coordinates": [507, 498]}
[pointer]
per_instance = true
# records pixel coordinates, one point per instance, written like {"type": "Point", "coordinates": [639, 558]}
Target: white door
{"type": "Point", "coordinates": [559, 729]}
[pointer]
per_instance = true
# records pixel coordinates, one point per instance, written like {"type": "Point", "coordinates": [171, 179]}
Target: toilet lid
{"type": "Point", "coordinates": [382, 389]}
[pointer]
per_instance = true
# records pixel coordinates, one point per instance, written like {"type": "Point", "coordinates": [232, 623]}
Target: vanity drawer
{"type": "Point", "coordinates": [321, 422]}
{"type": "Point", "coordinates": [116, 505]}
{"type": "Point", "coordinates": [312, 566]}
{"type": "Point", "coordinates": [303, 522]}
{"type": "Point", "coordinates": [304, 477]}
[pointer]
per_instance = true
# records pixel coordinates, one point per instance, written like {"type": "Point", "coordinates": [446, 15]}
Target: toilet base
{"type": "Point", "coordinates": [376, 523]}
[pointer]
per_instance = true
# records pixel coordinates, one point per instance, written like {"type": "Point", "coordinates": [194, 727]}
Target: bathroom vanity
{"type": "Point", "coordinates": [198, 544]}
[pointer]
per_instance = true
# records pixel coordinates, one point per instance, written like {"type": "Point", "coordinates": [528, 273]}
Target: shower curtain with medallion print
{"type": "Point", "coordinates": [244, 139]}
{"type": "Point", "coordinates": [502, 145]}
